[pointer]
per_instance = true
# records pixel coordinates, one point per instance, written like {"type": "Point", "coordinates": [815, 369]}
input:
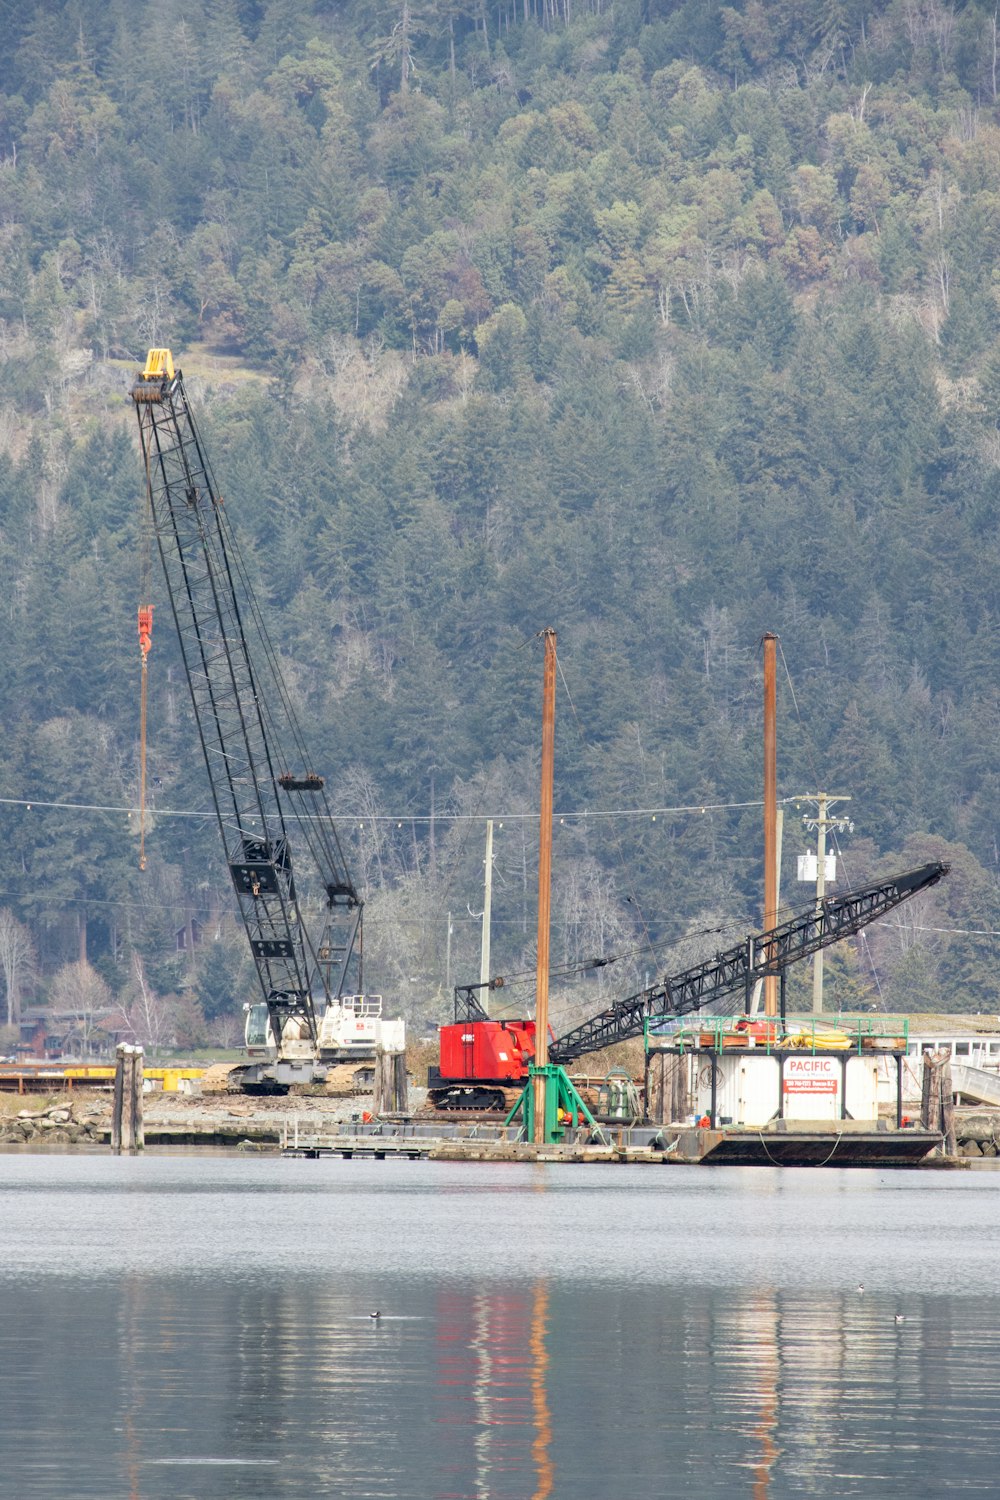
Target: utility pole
{"type": "Point", "coordinates": [447, 958]}
{"type": "Point", "coordinates": [484, 949]}
{"type": "Point", "coordinates": [821, 823]}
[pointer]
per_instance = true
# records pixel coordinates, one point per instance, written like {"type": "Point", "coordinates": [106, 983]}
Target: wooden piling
{"type": "Point", "coordinates": [947, 1096]}
{"type": "Point", "coordinates": [399, 1085]}
{"type": "Point", "coordinates": [135, 1122]}
{"type": "Point", "coordinates": [390, 1081]}
{"type": "Point", "coordinates": [930, 1096]}
{"type": "Point", "coordinates": [666, 1088]}
{"type": "Point", "coordinates": [381, 1089]}
{"type": "Point", "coordinates": [119, 1095]}
{"type": "Point", "coordinates": [127, 1134]}
{"type": "Point", "coordinates": [937, 1098]}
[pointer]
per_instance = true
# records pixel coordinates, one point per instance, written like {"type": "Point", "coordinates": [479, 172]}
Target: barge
{"type": "Point", "coordinates": [769, 1091]}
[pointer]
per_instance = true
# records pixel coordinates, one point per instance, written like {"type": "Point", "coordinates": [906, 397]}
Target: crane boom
{"type": "Point", "coordinates": [740, 967]}
{"type": "Point", "coordinates": [241, 709]}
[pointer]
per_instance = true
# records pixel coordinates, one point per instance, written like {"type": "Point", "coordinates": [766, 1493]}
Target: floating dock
{"type": "Point", "coordinates": [782, 1144]}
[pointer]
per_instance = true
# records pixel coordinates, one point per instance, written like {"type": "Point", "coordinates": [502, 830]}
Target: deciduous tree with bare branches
{"type": "Point", "coordinates": [17, 960]}
{"type": "Point", "coordinates": [84, 998]}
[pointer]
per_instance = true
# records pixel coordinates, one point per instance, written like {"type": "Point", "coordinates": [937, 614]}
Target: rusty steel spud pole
{"type": "Point", "coordinates": [544, 880]}
{"type": "Point", "coordinates": [770, 810]}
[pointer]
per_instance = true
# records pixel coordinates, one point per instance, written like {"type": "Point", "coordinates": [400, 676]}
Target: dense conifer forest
{"type": "Point", "coordinates": [664, 323]}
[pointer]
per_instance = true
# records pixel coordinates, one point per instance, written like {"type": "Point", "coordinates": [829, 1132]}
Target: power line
{"type": "Point", "coordinates": [345, 819]}
{"type": "Point", "coordinates": [958, 931]}
{"type": "Point", "coordinates": [30, 803]}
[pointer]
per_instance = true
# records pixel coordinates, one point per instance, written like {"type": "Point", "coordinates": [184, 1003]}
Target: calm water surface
{"type": "Point", "coordinates": [194, 1326]}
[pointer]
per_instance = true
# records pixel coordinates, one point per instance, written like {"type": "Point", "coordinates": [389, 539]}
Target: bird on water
{"type": "Point", "coordinates": [861, 1287]}
{"type": "Point", "coordinates": [375, 1314]}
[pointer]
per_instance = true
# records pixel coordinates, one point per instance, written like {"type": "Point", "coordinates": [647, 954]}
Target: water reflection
{"type": "Point", "coordinates": [834, 1396]}
{"type": "Point", "coordinates": [131, 1417]}
{"type": "Point", "coordinates": [542, 1445]}
{"type": "Point", "coordinates": [491, 1395]}
{"type": "Point", "coordinates": [761, 1322]}
{"type": "Point", "coordinates": [674, 1358]}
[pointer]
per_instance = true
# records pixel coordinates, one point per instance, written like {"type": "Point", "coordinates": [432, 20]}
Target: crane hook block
{"type": "Point", "coordinates": [310, 782]}
{"type": "Point", "coordinates": [145, 629]}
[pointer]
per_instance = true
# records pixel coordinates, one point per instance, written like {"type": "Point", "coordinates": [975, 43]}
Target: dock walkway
{"type": "Point", "coordinates": [839, 1143]}
{"type": "Point", "coordinates": [443, 1141]}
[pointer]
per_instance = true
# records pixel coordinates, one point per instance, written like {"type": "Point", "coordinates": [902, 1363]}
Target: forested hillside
{"type": "Point", "coordinates": [662, 322]}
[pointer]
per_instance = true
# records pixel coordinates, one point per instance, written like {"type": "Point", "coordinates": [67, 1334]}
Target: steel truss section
{"type": "Point", "coordinates": [740, 968]}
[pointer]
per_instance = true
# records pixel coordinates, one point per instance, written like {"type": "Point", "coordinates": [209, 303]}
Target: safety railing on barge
{"type": "Point", "coordinates": [811, 1034]}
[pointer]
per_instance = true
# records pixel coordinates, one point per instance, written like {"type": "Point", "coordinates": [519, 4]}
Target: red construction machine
{"type": "Point", "coordinates": [483, 1063]}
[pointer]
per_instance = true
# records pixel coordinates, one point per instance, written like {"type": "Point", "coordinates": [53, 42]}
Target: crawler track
{"type": "Point", "coordinates": [475, 1102]}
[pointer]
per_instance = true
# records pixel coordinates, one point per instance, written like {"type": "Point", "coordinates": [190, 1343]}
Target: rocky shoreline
{"type": "Point", "coordinates": [70, 1124]}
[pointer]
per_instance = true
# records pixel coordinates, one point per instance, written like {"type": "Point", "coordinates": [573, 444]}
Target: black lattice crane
{"type": "Point", "coordinates": [246, 723]}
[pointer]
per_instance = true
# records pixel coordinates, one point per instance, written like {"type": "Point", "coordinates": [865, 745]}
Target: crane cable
{"type": "Point", "coordinates": [145, 626]}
